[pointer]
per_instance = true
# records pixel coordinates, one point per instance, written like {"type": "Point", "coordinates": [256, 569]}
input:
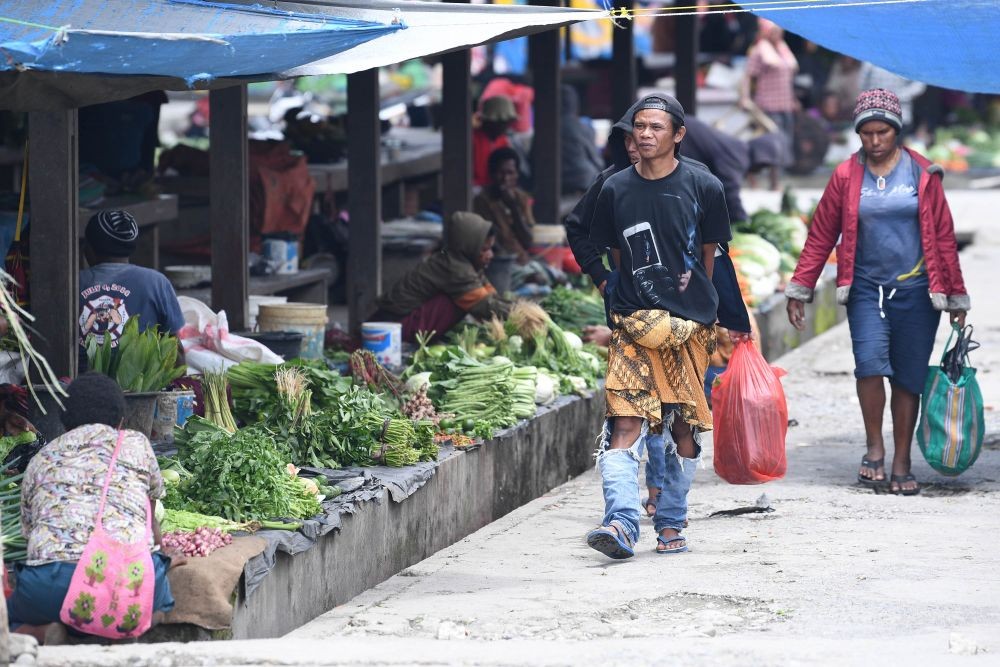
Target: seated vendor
{"type": "Point", "coordinates": [112, 290]}
{"type": "Point", "coordinates": [60, 495]}
{"type": "Point", "coordinates": [449, 284]}
{"type": "Point", "coordinates": [508, 207]}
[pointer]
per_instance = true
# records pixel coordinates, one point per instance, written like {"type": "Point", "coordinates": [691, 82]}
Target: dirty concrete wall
{"type": "Point", "coordinates": [466, 493]}
{"type": "Point", "coordinates": [778, 336]}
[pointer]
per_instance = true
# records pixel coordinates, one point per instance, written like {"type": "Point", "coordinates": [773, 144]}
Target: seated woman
{"type": "Point", "coordinates": [60, 495]}
{"type": "Point", "coordinates": [508, 207]}
{"type": "Point", "coordinates": [449, 284]}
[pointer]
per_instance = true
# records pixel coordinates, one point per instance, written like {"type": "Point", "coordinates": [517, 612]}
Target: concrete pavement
{"type": "Point", "coordinates": [836, 573]}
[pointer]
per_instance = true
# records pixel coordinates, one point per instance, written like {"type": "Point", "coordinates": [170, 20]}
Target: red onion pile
{"type": "Point", "coordinates": [201, 542]}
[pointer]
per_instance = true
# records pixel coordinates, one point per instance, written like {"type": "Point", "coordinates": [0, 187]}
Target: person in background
{"type": "Point", "coordinates": [449, 284]}
{"type": "Point", "coordinates": [496, 116]}
{"type": "Point", "coordinates": [60, 495]}
{"type": "Point", "coordinates": [727, 157]}
{"type": "Point", "coordinates": [885, 211]}
{"type": "Point", "coordinates": [519, 92]}
{"type": "Point", "coordinates": [623, 154]}
{"type": "Point", "coordinates": [579, 158]}
{"type": "Point", "coordinates": [844, 82]}
{"type": "Point", "coordinates": [112, 290]}
{"type": "Point", "coordinates": [508, 207]}
{"type": "Point", "coordinates": [771, 68]}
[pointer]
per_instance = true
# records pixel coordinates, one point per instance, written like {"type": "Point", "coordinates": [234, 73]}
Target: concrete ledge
{"type": "Point", "coordinates": [467, 492]}
{"type": "Point", "coordinates": [778, 336]}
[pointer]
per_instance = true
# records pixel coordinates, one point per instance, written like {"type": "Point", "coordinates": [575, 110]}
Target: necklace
{"type": "Point", "coordinates": [880, 178]}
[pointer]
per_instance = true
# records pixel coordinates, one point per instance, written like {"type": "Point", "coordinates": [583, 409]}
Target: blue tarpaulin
{"type": "Point", "coordinates": [946, 43]}
{"type": "Point", "coordinates": [193, 40]}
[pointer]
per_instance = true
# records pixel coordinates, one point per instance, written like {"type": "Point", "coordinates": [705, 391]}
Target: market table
{"type": "Point", "coordinates": [408, 154]}
{"type": "Point", "coordinates": [307, 285]}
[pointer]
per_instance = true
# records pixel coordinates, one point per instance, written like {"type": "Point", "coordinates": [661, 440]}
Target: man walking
{"type": "Point", "coordinates": [663, 219]}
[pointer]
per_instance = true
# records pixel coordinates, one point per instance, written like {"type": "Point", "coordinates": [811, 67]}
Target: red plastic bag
{"type": "Point", "coordinates": [750, 417]}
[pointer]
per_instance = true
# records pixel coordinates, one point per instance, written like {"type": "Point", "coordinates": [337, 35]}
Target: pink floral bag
{"type": "Point", "coordinates": [111, 593]}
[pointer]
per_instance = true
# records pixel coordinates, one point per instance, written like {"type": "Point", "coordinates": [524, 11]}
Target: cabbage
{"type": "Point", "coordinates": [751, 247]}
{"type": "Point", "coordinates": [545, 389]}
{"type": "Point", "coordinates": [572, 340]}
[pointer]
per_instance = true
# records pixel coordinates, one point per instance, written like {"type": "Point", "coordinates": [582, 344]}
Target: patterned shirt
{"type": "Point", "coordinates": [775, 75]}
{"type": "Point", "coordinates": [61, 491]}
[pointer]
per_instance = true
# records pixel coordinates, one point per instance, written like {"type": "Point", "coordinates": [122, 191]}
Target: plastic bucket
{"type": "Point", "coordinates": [385, 341]}
{"type": "Point", "coordinates": [285, 344]}
{"type": "Point", "coordinates": [281, 253]}
{"type": "Point", "coordinates": [308, 319]}
{"type": "Point", "coordinates": [139, 409]}
{"type": "Point", "coordinates": [256, 301]}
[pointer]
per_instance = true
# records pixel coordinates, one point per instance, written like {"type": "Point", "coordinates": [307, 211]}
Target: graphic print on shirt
{"type": "Point", "coordinates": [651, 277]}
{"type": "Point", "coordinates": [103, 313]}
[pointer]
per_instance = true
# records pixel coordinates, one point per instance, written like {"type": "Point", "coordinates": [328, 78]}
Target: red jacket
{"type": "Point", "coordinates": [836, 219]}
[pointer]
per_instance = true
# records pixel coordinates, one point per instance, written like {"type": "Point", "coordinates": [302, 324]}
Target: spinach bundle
{"type": "Point", "coordinates": [241, 477]}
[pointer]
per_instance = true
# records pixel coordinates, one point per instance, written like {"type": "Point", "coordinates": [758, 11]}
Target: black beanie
{"type": "Point", "coordinates": [113, 233]}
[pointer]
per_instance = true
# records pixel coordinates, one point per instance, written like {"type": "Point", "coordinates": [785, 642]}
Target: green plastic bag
{"type": "Point", "coordinates": [951, 429]}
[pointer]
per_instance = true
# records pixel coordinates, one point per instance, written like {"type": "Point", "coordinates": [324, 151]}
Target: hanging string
{"type": "Point", "coordinates": [619, 13]}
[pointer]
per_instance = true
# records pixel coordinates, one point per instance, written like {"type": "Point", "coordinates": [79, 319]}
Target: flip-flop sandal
{"type": "Point", "coordinates": [665, 541]}
{"type": "Point", "coordinates": [650, 502]}
{"type": "Point", "coordinates": [610, 542]}
{"type": "Point", "coordinates": [872, 465]}
{"type": "Point", "coordinates": [901, 480]}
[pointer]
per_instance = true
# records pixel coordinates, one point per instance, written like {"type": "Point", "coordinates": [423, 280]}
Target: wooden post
{"type": "Point", "coordinates": [623, 71]}
{"type": "Point", "coordinates": [55, 246]}
{"type": "Point", "coordinates": [364, 161]}
{"type": "Point", "coordinates": [229, 203]}
{"type": "Point", "coordinates": [686, 68]}
{"type": "Point", "coordinates": [543, 56]}
{"type": "Point", "coordinates": [456, 133]}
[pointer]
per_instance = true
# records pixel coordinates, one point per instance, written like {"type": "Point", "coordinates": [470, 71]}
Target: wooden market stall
{"type": "Point", "coordinates": [51, 100]}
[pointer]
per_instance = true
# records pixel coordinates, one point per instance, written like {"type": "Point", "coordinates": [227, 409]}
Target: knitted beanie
{"type": "Point", "coordinates": [878, 104]}
{"type": "Point", "coordinates": [113, 233]}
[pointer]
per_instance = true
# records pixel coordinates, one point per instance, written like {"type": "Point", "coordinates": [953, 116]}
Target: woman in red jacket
{"type": "Point", "coordinates": [897, 269]}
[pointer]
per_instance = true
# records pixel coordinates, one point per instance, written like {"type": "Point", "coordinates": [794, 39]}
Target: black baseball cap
{"type": "Point", "coordinates": [662, 102]}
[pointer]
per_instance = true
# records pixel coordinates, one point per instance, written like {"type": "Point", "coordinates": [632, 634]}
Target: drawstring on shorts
{"type": "Point", "coordinates": [882, 298]}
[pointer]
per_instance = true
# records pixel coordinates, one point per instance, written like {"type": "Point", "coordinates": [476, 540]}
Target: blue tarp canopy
{"type": "Point", "coordinates": [59, 44]}
{"type": "Point", "coordinates": [946, 43]}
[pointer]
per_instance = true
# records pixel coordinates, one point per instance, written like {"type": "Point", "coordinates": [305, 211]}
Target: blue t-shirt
{"type": "Point", "coordinates": [889, 249]}
{"type": "Point", "coordinates": [111, 294]}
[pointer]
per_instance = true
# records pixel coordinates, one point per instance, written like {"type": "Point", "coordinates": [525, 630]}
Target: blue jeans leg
{"type": "Point", "coordinates": [655, 464]}
{"type": "Point", "coordinates": [620, 477]}
{"type": "Point", "coordinates": [671, 510]}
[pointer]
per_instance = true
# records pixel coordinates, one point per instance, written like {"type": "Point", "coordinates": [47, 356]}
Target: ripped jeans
{"type": "Point", "coordinates": [620, 474]}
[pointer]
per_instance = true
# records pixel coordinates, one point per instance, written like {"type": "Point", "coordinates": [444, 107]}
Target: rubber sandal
{"type": "Point", "coordinates": [649, 501]}
{"type": "Point", "coordinates": [610, 542]}
{"type": "Point", "coordinates": [869, 464]}
{"type": "Point", "coordinates": [665, 541]}
{"type": "Point", "coordinates": [903, 479]}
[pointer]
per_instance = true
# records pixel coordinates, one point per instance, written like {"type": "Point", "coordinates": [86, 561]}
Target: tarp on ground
{"type": "Point", "coordinates": [48, 48]}
{"type": "Point", "coordinates": [433, 28]}
{"type": "Point", "coordinates": [946, 43]}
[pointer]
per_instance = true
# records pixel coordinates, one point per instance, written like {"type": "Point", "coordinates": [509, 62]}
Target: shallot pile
{"type": "Point", "coordinates": [201, 542]}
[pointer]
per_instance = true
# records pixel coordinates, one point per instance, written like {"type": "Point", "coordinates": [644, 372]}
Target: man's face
{"type": "Point", "coordinates": [654, 134]}
{"type": "Point", "coordinates": [505, 175]}
{"type": "Point", "coordinates": [486, 253]}
{"type": "Point", "coordinates": [631, 149]}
